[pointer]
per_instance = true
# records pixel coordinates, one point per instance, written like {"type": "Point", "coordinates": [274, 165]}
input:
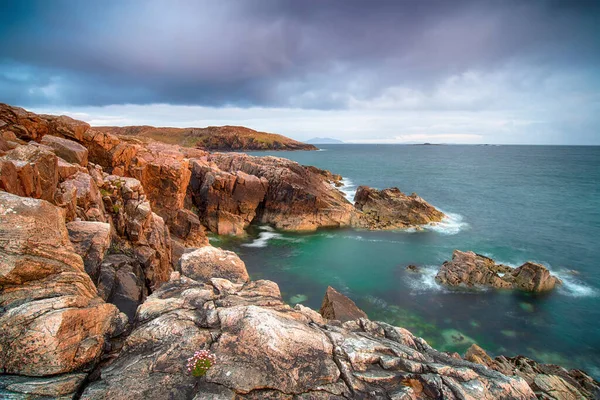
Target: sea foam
{"type": "Point", "coordinates": [424, 280]}
{"type": "Point", "coordinates": [450, 225]}
{"type": "Point", "coordinates": [349, 189]}
{"type": "Point", "coordinates": [268, 233]}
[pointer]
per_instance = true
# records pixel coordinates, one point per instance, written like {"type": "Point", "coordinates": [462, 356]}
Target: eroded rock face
{"type": "Point", "coordinates": [392, 209]}
{"type": "Point", "coordinates": [211, 262]}
{"type": "Point", "coordinates": [226, 202]}
{"type": "Point", "coordinates": [37, 171]}
{"type": "Point", "coordinates": [91, 241]}
{"type": "Point", "coordinates": [144, 232]}
{"type": "Point", "coordinates": [470, 269]}
{"type": "Point", "coordinates": [337, 306]}
{"type": "Point", "coordinates": [121, 282]}
{"type": "Point", "coordinates": [298, 198]}
{"type": "Point", "coordinates": [265, 348]}
{"type": "Point", "coordinates": [52, 321]}
{"type": "Point", "coordinates": [548, 381]}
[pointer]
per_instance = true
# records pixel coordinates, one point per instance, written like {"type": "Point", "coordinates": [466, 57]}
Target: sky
{"type": "Point", "coordinates": [460, 71]}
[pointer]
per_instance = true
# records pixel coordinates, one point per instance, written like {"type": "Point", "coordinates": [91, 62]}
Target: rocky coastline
{"type": "Point", "coordinates": [108, 283]}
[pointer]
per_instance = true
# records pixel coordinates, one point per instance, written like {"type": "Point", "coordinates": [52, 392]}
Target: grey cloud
{"type": "Point", "coordinates": [305, 54]}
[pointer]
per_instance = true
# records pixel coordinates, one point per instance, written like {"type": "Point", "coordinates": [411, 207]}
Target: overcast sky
{"type": "Point", "coordinates": [365, 71]}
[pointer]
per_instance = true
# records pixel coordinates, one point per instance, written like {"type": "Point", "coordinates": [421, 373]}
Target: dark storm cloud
{"type": "Point", "coordinates": [306, 54]}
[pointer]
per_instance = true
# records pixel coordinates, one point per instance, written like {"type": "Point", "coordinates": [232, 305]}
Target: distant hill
{"type": "Point", "coordinates": [319, 140]}
{"type": "Point", "coordinates": [219, 138]}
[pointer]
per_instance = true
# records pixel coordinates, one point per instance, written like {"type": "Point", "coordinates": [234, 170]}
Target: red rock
{"type": "Point", "coordinates": [470, 269]}
{"type": "Point", "coordinates": [68, 150]}
{"type": "Point", "coordinates": [337, 306]}
{"type": "Point", "coordinates": [392, 209]}
{"type": "Point", "coordinates": [52, 316]}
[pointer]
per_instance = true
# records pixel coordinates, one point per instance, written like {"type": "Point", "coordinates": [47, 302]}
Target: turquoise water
{"type": "Point", "coordinates": [511, 203]}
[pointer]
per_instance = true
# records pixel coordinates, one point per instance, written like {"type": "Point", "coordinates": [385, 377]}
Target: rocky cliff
{"type": "Point", "coordinates": [108, 284]}
{"type": "Point", "coordinates": [218, 138]}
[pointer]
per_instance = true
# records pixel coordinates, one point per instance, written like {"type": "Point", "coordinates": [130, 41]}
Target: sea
{"type": "Point", "coordinates": [510, 203]}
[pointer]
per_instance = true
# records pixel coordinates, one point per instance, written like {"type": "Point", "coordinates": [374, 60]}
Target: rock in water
{"type": "Point", "coordinates": [211, 262]}
{"type": "Point", "coordinates": [337, 306]}
{"type": "Point", "coordinates": [533, 277]}
{"type": "Point", "coordinates": [470, 269]}
{"type": "Point", "coordinates": [52, 320]}
{"type": "Point", "coordinates": [392, 209]}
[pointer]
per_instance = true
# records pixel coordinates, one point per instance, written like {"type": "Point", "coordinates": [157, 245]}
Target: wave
{"type": "Point", "coordinates": [450, 225]}
{"type": "Point", "coordinates": [424, 280]}
{"type": "Point", "coordinates": [263, 239]}
{"type": "Point", "coordinates": [349, 189]}
{"type": "Point", "coordinates": [267, 234]}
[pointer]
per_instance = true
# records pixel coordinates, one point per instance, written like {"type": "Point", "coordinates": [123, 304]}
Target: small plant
{"type": "Point", "coordinates": [116, 208]}
{"type": "Point", "coordinates": [200, 362]}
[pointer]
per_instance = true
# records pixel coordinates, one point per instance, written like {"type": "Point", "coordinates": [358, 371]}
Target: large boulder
{"type": "Point", "coordinates": [548, 381]}
{"type": "Point", "coordinates": [211, 262]}
{"type": "Point", "coordinates": [337, 306]}
{"type": "Point", "coordinates": [80, 195]}
{"type": "Point", "coordinates": [468, 269]}
{"type": "Point", "coordinates": [51, 314]}
{"type": "Point", "coordinates": [392, 209]}
{"type": "Point", "coordinates": [265, 349]}
{"type": "Point", "coordinates": [66, 149]}
{"type": "Point", "coordinates": [37, 171]}
{"type": "Point", "coordinates": [533, 277]}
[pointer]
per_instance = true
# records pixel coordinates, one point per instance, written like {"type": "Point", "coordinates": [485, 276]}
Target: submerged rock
{"type": "Point", "coordinates": [392, 209]}
{"type": "Point", "coordinates": [337, 306]}
{"type": "Point", "coordinates": [470, 269]}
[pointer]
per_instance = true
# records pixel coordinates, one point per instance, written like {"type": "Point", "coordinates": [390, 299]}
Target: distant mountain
{"type": "Point", "coordinates": [323, 140]}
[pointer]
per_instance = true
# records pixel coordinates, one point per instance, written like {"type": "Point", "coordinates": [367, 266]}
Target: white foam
{"type": "Point", "coordinates": [450, 225]}
{"type": "Point", "coordinates": [263, 239]}
{"type": "Point", "coordinates": [572, 287]}
{"type": "Point", "coordinates": [349, 189]}
{"type": "Point", "coordinates": [424, 280]}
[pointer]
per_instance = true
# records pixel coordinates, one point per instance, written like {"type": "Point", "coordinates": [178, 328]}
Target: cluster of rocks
{"type": "Point", "coordinates": [468, 269]}
{"type": "Point", "coordinates": [108, 284]}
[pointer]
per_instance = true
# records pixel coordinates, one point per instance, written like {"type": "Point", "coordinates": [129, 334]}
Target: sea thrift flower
{"type": "Point", "coordinates": [200, 362]}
